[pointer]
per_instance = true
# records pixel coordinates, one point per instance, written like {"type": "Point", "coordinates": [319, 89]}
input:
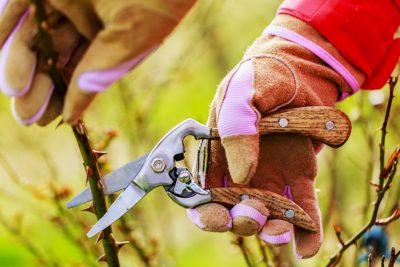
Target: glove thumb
{"type": "Point", "coordinates": [237, 123]}
{"type": "Point", "coordinates": [242, 156]}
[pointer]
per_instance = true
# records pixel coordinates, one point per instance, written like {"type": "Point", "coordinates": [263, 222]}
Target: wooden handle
{"type": "Point", "coordinates": [279, 207]}
{"type": "Point", "coordinates": [325, 124]}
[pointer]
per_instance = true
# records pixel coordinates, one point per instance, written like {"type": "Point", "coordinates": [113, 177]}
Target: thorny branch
{"type": "Point", "coordinates": [385, 182]}
{"type": "Point", "coordinates": [45, 46]}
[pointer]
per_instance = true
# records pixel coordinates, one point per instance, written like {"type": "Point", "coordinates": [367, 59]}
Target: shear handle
{"type": "Point", "coordinates": [325, 124]}
{"type": "Point", "coordinates": [279, 207]}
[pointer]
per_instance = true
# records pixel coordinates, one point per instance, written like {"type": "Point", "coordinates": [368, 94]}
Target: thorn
{"type": "Point", "coordinates": [50, 62]}
{"type": "Point", "coordinates": [120, 244]}
{"type": "Point", "coordinates": [89, 209]}
{"type": "Point", "coordinates": [100, 237]}
{"type": "Point", "coordinates": [111, 133]}
{"type": "Point", "coordinates": [89, 171]}
{"type": "Point", "coordinates": [102, 258]}
{"type": "Point", "coordinates": [374, 184]}
{"type": "Point", "coordinates": [61, 122]}
{"type": "Point", "coordinates": [100, 184]}
{"type": "Point", "coordinates": [45, 25]}
{"type": "Point", "coordinates": [337, 228]}
{"type": "Point", "coordinates": [98, 154]}
{"type": "Point", "coordinates": [80, 128]}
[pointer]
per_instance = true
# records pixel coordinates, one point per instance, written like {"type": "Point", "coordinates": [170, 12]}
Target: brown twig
{"type": "Point", "coordinates": [384, 184]}
{"type": "Point", "coordinates": [239, 241]}
{"type": "Point", "coordinates": [392, 84]}
{"type": "Point", "coordinates": [393, 257]}
{"type": "Point", "coordinates": [49, 55]}
{"type": "Point", "coordinates": [385, 221]}
{"type": "Point", "coordinates": [264, 257]}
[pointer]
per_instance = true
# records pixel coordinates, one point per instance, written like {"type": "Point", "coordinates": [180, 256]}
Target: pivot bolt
{"type": "Point", "coordinates": [283, 122]}
{"type": "Point", "coordinates": [244, 197]}
{"type": "Point", "coordinates": [329, 125]}
{"type": "Point", "coordinates": [289, 213]}
{"type": "Point", "coordinates": [158, 165]}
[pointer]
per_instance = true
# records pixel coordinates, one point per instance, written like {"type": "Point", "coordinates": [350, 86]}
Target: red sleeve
{"type": "Point", "coordinates": [362, 30]}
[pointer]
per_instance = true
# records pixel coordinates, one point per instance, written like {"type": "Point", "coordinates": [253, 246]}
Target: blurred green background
{"type": "Point", "coordinates": [41, 167]}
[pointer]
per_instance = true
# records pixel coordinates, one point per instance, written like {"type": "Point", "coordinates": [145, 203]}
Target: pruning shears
{"type": "Point", "coordinates": [158, 168]}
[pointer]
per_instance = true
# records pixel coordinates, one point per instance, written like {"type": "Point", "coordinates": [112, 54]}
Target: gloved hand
{"type": "Point", "coordinates": [274, 74]}
{"type": "Point", "coordinates": [98, 41]}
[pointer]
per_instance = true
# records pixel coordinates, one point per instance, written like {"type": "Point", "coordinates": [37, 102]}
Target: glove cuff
{"type": "Point", "coordinates": [301, 33]}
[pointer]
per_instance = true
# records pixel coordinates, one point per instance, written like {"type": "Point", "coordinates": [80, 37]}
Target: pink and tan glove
{"type": "Point", "coordinates": [98, 41]}
{"type": "Point", "coordinates": [274, 74]}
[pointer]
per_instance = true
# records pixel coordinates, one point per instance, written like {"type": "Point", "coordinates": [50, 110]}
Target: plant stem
{"type": "Point", "coordinates": [239, 241]}
{"type": "Point", "coordinates": [49, 56]}
{"type": "Point", "coordinates": [94, 179]}
{"type": "Point", "coordinates": [261, 246]}
{"type": "Point", "coordinates": [383, 186]}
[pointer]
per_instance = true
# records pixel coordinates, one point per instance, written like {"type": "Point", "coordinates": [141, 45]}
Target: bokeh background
{"type": "Point", "coordinates": [40, 168]}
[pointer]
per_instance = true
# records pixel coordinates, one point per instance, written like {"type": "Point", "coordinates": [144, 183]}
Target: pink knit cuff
{"type": "Point", "coordinates": [276, 239]}
{"type": "Point", "coordinates": [246, 211]}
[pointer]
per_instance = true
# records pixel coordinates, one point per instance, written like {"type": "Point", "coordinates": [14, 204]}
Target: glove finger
{"type": "Point", "coordinates": [65, 40]}
{"type": "Point", "coordinates": [39, 104]}
{"type": "Point", "coordinates": [53, 110]}
{"type": "Point", "coordinates": [81, 14]}
{"type": "Point", "coordinates": [129, 36]}
{"type": "Point", "coordinates": [288, 168]}
{"type": "Point", "coordinates": [30, 108]}
{"type": "Point", "coordinates": [307, 243]}
{"type": "Point", "coordinates": [11, 12]}
{"type": "Point", "coordinates": [248, 217]}
{"type": "Point", "coordinates": [276, 232]}
{"type": "Point", "coordinates": [211, 217]}
{"type": "Point", "coordinates": [16, 78]}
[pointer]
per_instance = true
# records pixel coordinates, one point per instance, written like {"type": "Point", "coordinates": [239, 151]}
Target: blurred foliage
{"type": "Point", "coordinates": [41, 167]}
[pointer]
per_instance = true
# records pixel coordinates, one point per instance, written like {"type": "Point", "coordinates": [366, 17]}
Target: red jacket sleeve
{"type": "Point", "coordinates": [362, 30]}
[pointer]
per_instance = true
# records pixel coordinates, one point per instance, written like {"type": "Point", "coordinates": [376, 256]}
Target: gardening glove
{"type": "Point", "coordinates": [98, 41]}
{"type": "Point", "coordinates": [274, 74]}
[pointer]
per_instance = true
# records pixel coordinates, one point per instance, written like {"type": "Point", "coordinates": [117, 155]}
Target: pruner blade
{"type": "Point", "coordinates": [113, 182]}
{"type": "Point", "coordinates": [128, 198]}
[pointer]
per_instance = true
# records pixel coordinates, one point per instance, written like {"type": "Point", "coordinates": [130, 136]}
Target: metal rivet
{"type": "Point", "coordinates": [289, 214]}
{"type": "Point", "coordinates": [244, 197]}
{"type": "Point", "coordinates": [283, 122]}
{"type": "Point", "coordinates": [329, 125]}
{"type": "Point", "coordinates": [158, 165]}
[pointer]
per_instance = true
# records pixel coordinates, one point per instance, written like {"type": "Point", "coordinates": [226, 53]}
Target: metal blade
{"type": "Point", "coordinates": [113, 182]}
{"type": "Point", "coordinates": [131, 195]}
